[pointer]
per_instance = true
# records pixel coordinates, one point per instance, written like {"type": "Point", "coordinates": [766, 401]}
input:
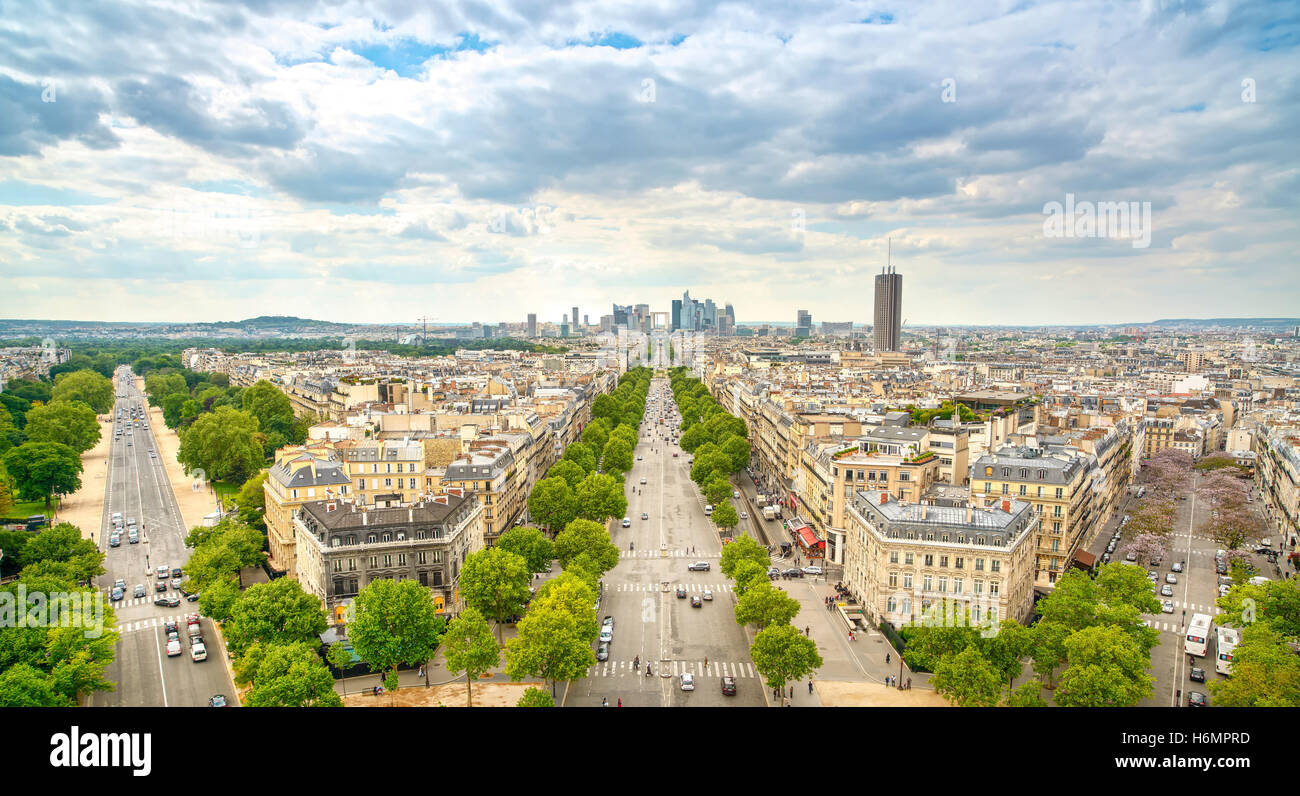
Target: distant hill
{"type": "Point", "coordinates": [1266, 322]}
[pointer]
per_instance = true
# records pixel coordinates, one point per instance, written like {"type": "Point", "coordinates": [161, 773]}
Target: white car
{"type": "Point", "coordinates": [198, 652]}
{"type": "Point", "coordinates": [688, 681]}
{"type": "Point", "coordinates": [1167, 607]}
{"type": "Point", "coordinates": [744, 516]}
{"type": "Point", "coordinates": [1171, 578]}
{"type": "Point", "coordinates": [812, 570]}
{"type": "Point", "coordinates": [735, 494]}
{"type": "Point", "coordinates": [627, 522]}
{"type": "Point", "coordinates": [708, 594]}
{"type": "Point", "coordinates": [643, 480]}
{"type": "Point", "coordinates": [173, 648]}
{"type": "Point", "coordinates": [607, 634]}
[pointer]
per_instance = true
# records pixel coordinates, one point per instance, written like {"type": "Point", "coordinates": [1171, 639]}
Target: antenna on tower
{"type": "Point", "coordinates": [425, 319]}
{"type": "Point", "coordinates": [889, 256]}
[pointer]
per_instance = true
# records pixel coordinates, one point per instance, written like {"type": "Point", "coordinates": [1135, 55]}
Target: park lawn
{"type": "Point", "coordinates": [226, 492]}
{"type": "Point", "coordinates": [28, 508]}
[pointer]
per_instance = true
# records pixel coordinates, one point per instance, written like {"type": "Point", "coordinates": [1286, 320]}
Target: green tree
{"type": "Point", "coordinates": [495, 583]}
{"type": "Point", "coordinates": [967, 679]}
{"type": "Point", "coordinates": [395, 623]}
{"type": "Point", "coordinates": [220, 552]}
{"type": "Point", "coordinates": [617, 456]}
{"type": "Point", "coordinates": [743, 549]}
{"type": "Point", "coordinates": [339, 655]}
{"type": "Point", "coordinates": [552, 503]}
{"type": "Point", "coordinates": [470, 649]}
{"type": "Point", "coordinates": [1265, 672]}
{"type": "Point", "coordinates": [251, 500]}
{"type": "Point", "coordinates": [279, 613]}
{"type": "Point", "coordinates": [717, 490]}
{"type": "Point", "coordinates": [71, 423]}
{"type": "Point", "coordinates": [763, 605]}
{"type": "Point", "coordinates": [87, 386]}
{"type": "Point", "coordinates": [223, 444]}
{"type": "Point", "coordinates": [1106, 667]}
{"type": "Point", "coordinates": [590, 538]}
{"type": "Point", "coordinates": [63, 542]}
{"type": "Point", "coordinates": [217, 599]}
{"type": "Point", "coordinates": [1048, 649]}
{"type": "Point", "coordinates": [42, 470]}
{"type": "Point", "coordinates": [265, 402]}
{"type": "Point", "coordinates": [1028, 695]}
{"type": "Point", "coordinates": [24, 686]}
{"type": "Point", "coordinates": [293, 676]}
{"type": "Point", "coordinates": [535, 698]}
{"type": "Point", "coordinates": [550, 645]}
{"type": "Point", "coordinates": [1275, 603]}
{"type": "Point", "coordinates": [581, 455]}
{"type": "Point", "coordinates": [595, 436]}
{"type": "Point", "coordinates": [749, 575]}
{"type": "Point", "coordinates": [932, 641]}
{"type": "Point", "coordinates": [529, 544]}
{"type": "Point", "coordinates": [781, 654]}
{"type": "Point", "coordinates": [725, 517]}
{"type": "Point", "coordinates": [599, 497]}
{"type": "Point", "coordinates": [171, 409]}
{"type": "Point", "coordinates": [570, 471]}
{"type": "Point", "coordinates": [737, 448]}
{"type": "Point", "coordinates": [1007, 650]}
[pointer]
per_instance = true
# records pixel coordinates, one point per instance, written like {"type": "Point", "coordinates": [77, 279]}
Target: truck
{"type": "Point", "coordinates": [762, 501]}
{"type": "Point", "coordinates": [769, 513]}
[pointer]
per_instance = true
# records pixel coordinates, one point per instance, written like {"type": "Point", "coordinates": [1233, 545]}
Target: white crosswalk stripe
{"type": "Point", "coordinates": [666, 554]}
{"type": "Point", "coordinates": [694, 588]}
{"type": "Point", "coordinates": [737, 669]}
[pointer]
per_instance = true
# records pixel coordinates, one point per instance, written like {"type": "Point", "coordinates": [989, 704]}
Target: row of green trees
{"type": "Point", "coordinates": [61, 657]}
{"type": "Point", "coordinates": [1092, 627]}
{"type": "Point", "coordinates": [588, 481]}
{"type": "Point", "coordinates": [718, 440]}
{"type": "Point", "coordinates": [1265, 667]}
{"type": "Point", "coordinates": [779, 651]}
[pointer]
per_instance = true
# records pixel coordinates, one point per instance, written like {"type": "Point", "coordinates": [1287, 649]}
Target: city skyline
{"type": "Point", "coordinates": [1032, 166]}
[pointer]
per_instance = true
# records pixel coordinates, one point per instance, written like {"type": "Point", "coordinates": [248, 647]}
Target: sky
{"type": "Point", "coordinates": [480, 160]}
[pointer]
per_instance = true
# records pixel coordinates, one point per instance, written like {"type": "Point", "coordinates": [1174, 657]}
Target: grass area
{"type": "Point", "coordinates": [28, 508]}
{"type": "Point", "coordinates": [225, 491]}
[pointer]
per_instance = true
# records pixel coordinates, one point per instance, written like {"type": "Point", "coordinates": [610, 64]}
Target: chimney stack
{"type": "Point", "coordinates": [1006, 506]}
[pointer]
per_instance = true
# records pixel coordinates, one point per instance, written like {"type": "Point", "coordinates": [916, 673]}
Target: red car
{"type": "Point", "coordinates": [728, 686]}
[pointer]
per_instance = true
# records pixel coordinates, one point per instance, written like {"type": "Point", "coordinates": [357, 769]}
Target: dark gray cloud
{"type": "Point", "coordinates": [42, 113]}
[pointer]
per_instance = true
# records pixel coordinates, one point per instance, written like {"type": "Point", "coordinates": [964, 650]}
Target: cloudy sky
{"type": "Point", "coordinates": [376, 162]}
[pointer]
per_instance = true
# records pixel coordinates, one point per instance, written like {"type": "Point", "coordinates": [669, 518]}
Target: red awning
{"type": "Point", "coordinates": [806, 536]}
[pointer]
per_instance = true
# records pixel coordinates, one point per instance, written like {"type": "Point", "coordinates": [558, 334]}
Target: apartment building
{"type": "Point", "coordinates": [343, 546]}
{"type": "Point", "coordinates": [1056, 482]}
{"type": "Point", "coordinates": [1277, 471]}
{"type": "Point", "coordinates": [903, 559]}
{"type": "Point", "coordinates": [385, 471]}
{"type": "Point", "coordinates": [300, 474]}
{"type": "Point", "coordinates": [488, 470]}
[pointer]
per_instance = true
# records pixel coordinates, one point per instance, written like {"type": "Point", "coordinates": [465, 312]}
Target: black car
{"type": "Point", "coordinates": [191, 596]}
{"type": "Point", "coordinates": [170, 627]}
{"type": "Point", "coordinates": [681, 592]}
{"type": "Point", "coordinates": [793, 572]}
{"type": "Point", "coordinates": [176, 572]}
{"type": "Point", "coordinates": [168, 602]}
{"type": "Point", "coordinates": [1197, 675]}
{"type": "Point", "coordinates": [1196, 699]}
{"type": "Point", "coordinates": [160, 585]}
{"type": "Point", "coordinates": [728, 686]}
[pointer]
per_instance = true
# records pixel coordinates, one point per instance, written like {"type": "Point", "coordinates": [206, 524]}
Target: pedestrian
{"type": "Point", "coordinates": [792, 692]}
{"type": "Point", "coordinates": [620, 702]}
{"type": "Point", "coordinates": [909, 682]}
{"type": "Point", "coordinates": [807, 631]}
{"type": "Point", "coordinates": [886, 657]}
{"type": "Point", "coordinates": [604, 702]}
{"type": "Point", "coordinates": [706, 661]}
{"type": "Point", "coordinates": [810, 686]}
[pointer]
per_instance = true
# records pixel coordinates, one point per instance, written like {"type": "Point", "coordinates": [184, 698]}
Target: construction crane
{"type": "Point", "coordinates": [424, 340]}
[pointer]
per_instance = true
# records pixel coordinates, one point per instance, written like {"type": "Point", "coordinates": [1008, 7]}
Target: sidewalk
{"type": "Point", "coordinates": [85, 507]}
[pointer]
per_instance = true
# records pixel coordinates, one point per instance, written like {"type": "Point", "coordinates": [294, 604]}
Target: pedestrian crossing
{"type": "Point", "coordinates": [146, 624]}
{"type": "Point", "coordinates": [693, 588]}
{"type": "Point", "coordinates": [132, 602]}
{"type": "Point", "coordinates": [667, 554]}
{"type": "Point", "coordinates": [736, 669]}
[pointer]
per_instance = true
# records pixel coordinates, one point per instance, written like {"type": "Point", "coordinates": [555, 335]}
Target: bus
{"type": "Point", "coordinates": [1226, 640]}
{"type": "Point", "coordinates": [1197, 634]}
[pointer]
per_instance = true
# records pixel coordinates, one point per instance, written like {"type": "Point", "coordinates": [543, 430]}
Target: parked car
{"type": "Point", "coordinates": [645, 516]}
{"type": "Point", "coordinates": [176, 572]}
{"type": "Point", "coordinates": [173, 648]}
{"type": "Point", "coordinates": [1105, 558]}
{"type": "Point", "coordinates": [643, 479]}
{"type": "Point", "coordinates": [198, 652]}
{"type": "Point", "coordinates": [812, 570]}
{"type": "Point", "coordinates": [117, 595]}
{"type": "Point", "coordinates": [170, 626]}
{"type": "Point", "coordinates": [162, 572]}
{"type": "Point", "coordinates": [1166, 590]}
{"type": "Point", "coordinates": [217, 701]}
{"type": "Point", "coordinates": [602, 652]}
{"type": "Point", "coordinates": [728, 686]}
{"type": "Point", "coordinates": [1167, 607]}
{"type": "Point", "coordinates": [699, 566]}
{"type": "Point", "coordinates": [1171, 577]}
{"type": "Point", "coordinates": [1131, 557]}
{"type": "Point", "coordinates": [115, 541]}
{"type": "Point", "coordinates": [794, 572]}
{"type": "Point", "coordinates": [1177, 566]}
{"type": "Point", "coordinates": [168, 602]}
{"type": "Point", "coordinates": [773, 571]}
{"type": "Point", "coordinates": [688, 681]}
{"type": "Point", "coordinates": [119, 584]}
{"type": "Point", "coordinates": [160, 586]}
{"type": "Point", "coordinates": [1224, 589]}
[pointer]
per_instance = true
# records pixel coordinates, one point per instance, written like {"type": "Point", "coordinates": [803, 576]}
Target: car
{"type": "Point", "coordinates": [627, 522]}
{"type": "Point", "coordinates": [117, 595]}
{"type": "Point", "coordinates": [773, 571]}
{"type": "Point", "coordinates": [744, 516]}
{"type": "Point", "coordinates": [133, 538]}
{"type": "Point", "coordinates": [695, 601]}
{"type": "Point", "coordinates": [160, 586]}
{"type": "Point", "coordinates": [688, 681]}
{"type": "Point", "coordinates": [793, 572]}
{"type": "Point", "coordinates": [168, 602]}
{"type": "Point", "coordinates": [681, 592]}
{"type": "Point", "coordinates": [1197, 675]}
{"type": "Point", "coordinates": [119, 584]}
{"type": "Point", "coordinates": [699, 566]}
{"type": "Point", "coordinates": [1177, 566]}
{"type": "Point", "coordinates": [638, 458]}
{"type": "Point", "coordinates": [812, 570]}
{"type": "Point", "coordinates": [1105, 558]}
{"type": "Point", "coordinates": [728, 686]}
{"type": "Point", "coordinates": [1221, 568]}
{"type": "Point", "coordinates": [173, 648]}
{"type": "Point", "coordinates": [176, 583]}
{"type": "Point", "coordinates": [176, 572]}
{"type": "Point", "coordinates": [674, 454]}
{"type": "Point", "coordinates": [645, 516]}
{"type": "Point", "coordinates": [602, 652]}
{"type": "Point", "coordinates": [608, 621]}
{"type": "Point", "coordinates": [643, 480]}
{"type": "Point", "coordinates": [190, 596]}
{"type": "Point", "coordinates": [735, 494]}
{"type": "Point", "coordinates": [192, 619]}
{"type": "Point", "coordinates": [1167, 607]}
{"type": "Point", "coordinates": [117, 516]}
{"type": "Point", "coordinates": [1171, 578]}
{"type": "Point", "coordinates": [1196, 699]}
{"type": "Point", "coordinates": [174, 635]}
{"type": "Point", "coordinates": [170, 626]}
{"type": "Point", "coordinates": [708, 510]}
{"type": "Point", "coordinates": [1131, 557]}
{"type": "Point", "coordinates": [1166, 590]}
{"type": "Point", "coordinates": [162, 572]}
{"type": "Point", "coordinates": [1224, 589]}
{"type": "Point", "coordinates": [138, 591]}
{"type": "Point", "coordinates": [1152, 575]}
{"type": "Point", "coordinates": [217, 701]}
{"type": "Point", "coordinates": [114, 541]}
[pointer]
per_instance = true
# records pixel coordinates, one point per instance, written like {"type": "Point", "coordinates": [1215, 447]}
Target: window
{"type": "Point", "coordinates": [1056, 510]}
{"type": "Point", "coordinates": [338, 565]}
{"type": "Point", "coordinates": [372, 538]}
{"type": "Point", "coordinates": [929, 560]}
{"type": "Point", "coordinates": [893, 580]}
{"type": "Point", "coordinates": [1042, 475]}
{"type": "Point", "coordinates": [979, 565]}
{"type": "Point", "coordinates": [374, 562]}
{"type": "Point", "coordinates": [956, 585]}
{"type": "Point", "coordinates": [993, 591]}
{"type": "Point", "coordinates": [388, 482]}
{"type": "Point", "coordinates": [388, 561]}
{"type": "Point", "coordinates": [1023, 489]}
{"type": "Point", "coordinates": [960, 563]}
{"type": "Point", "coordinates": [1056, 527]}
{"type": "Point", "coordinates": [892, 605]}
{"type": "Point", "coordinates": [907, 580]}
{"type": "Point", "coordinates": [388, 537]}
{"type": "Point", "coordinates": [979, 587]}
{"type": "Point", "coordinates": [893, 557]}
{"type": "Point", "coordinates": [928, 583]}
{"type": "Point", "coordinates": [1040, 491]}
{"type": "Point", "coordinates": [437, 577]}
{"type": "Point", "coordinates": [995, 565]}
{"type": "Point", "coordinates": [1006, 489]}
{"type": "Point", "coordinates": [294, 493]}
{"type": "Point", "coordinates": [1006, 472]}
{"type": "Point", "coordinates": [904, 476]}
{"type": "Point", "coordinates": [401, 559]}
{"type": "Point", "coordinates": [943, 561]}
{"type": "Point", "coordinates": [1024, 473]}
{"type": "Point", "coordinates": [352, 565]}
{"type": "Point", "coordinates": [335, 542]}
{"type": "Point", "coordinates": [1060, 493]}
{"type": "Point", "coordinates": [988, 487]}
{"type": "Point", "coordinates": [907, 559]}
